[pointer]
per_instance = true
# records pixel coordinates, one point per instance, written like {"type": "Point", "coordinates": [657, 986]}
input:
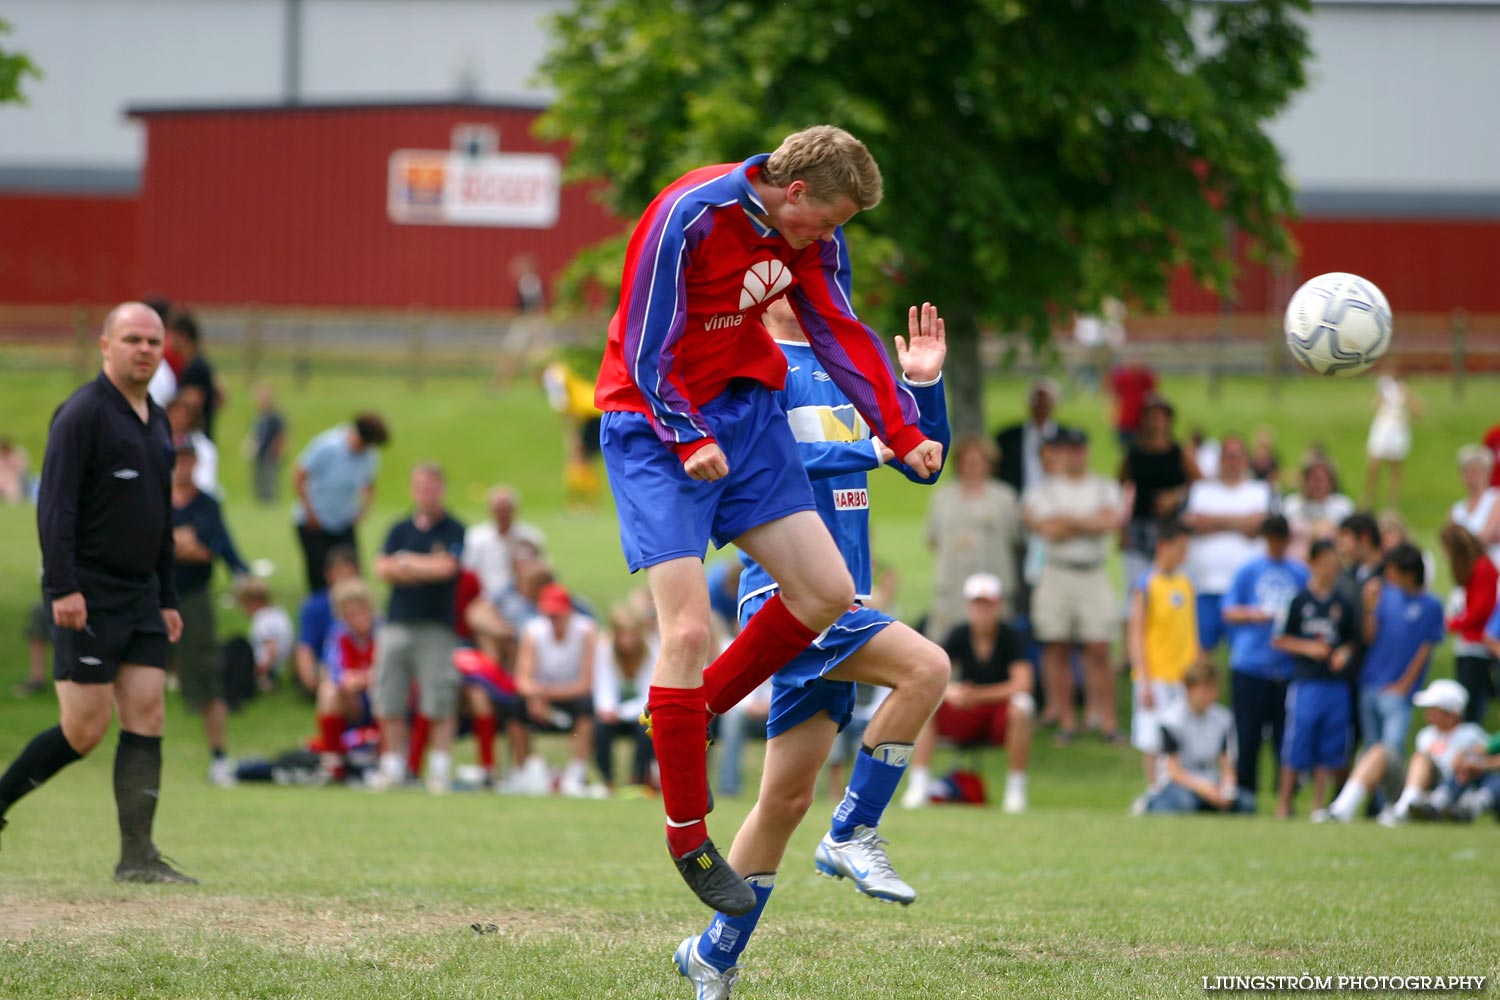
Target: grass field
{"type": "Point", "coordinates": [314, 893]}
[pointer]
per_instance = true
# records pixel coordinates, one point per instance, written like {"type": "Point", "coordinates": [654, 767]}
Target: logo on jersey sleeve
{"type": "Point", "coordinates": [764, 280]}
{"type": "Point", "coordinates": [851, 499]}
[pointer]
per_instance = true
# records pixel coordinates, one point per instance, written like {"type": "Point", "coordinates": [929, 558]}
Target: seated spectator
{"type": "Point", "coordinates": [1439, 745]}
{"type": "Point", "coordinates": [14, 464]}
{"type": "Point", "coordinates": [1470, 608]}
{"type": "Point", "coordinates": [555, 676]}
{"type": "Point", "coordinates": [343, 698]}
{"type": "Point", "coordinates": [622, 680]}
{"type": "Point", "coordinates": [1479, 510]}
{"type": "Point", "coordinates": [1162, 635]}
{"type": "Point", "coordinates": [1197, 740]}
{"type": "Point", "coordinates": [270, 631]}
{"type": "Point", "coordinates": [1317, 509]}
{"type": "Point", "coordinates": [989, 701]}
{"type": "Point", "coordinates": [487, 691]}
{"type": "Point", "coordinates": [315, 618]}
{"type": "Point", "coordinates": [1475, 786]}
{"type": "Point", "coordinates": [1320, 630]}
{"type": "Point", "coordinates": [496, 619]}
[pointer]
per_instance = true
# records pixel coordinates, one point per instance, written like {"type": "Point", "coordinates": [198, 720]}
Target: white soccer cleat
{"type": "Point", "coordinates": [222, 773]}
{"type": "Point", "coordinates": [708, 982]}
{"type": "Point", "coordinates": [862, 859]}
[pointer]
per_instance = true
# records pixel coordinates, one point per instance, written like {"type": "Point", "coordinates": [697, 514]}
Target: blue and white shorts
{"type": "Point", "coordinates": [800, 690]}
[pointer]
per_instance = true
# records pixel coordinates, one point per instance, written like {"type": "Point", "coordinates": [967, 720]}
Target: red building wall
{"type": "Point", "coordinates": [1422, 265]}
{"type": "Point", "coordinates": [288, 206]}
{"type": "Point", "coordinates": [67, 248]}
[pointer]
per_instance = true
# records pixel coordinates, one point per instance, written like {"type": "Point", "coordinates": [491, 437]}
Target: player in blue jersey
{"type": "Point", "coordinates": [813, 696]}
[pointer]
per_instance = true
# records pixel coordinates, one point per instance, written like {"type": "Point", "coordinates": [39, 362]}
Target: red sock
{"type": "Point", "coordinates": [331, 730]}
{"type": "Point", "coordinates": [678, 725]}
{"type": "Point", "coordinates": [416, 744]}
{"type": "Point", "coordinates": [484, 736]}
{"type": "Point", "coordinates": [771, 639]}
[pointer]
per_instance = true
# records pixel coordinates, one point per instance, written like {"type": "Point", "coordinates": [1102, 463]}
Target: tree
{"type": "Point", "coordinates": [1038, 155]}
{"type": "Point", "coordinates": [14, 68]}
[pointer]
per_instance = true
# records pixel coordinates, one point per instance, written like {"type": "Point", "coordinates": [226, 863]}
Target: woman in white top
{"type": "Point", "coordinates": [1479, 510]}
{"type": "Point", "coordinates": [1318, 509]}
{"type": "Point", "coordinates": [622, 680]}
{"type": "Point", "coordinates": [555, 676]}
{"type": "Point", "coordinates": [1390, 436]}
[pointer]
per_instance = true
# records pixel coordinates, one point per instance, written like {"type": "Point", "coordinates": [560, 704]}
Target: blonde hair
{"type": "Point", "coordinates": [253, 589]}
{"type": "Point", "coordinates": [831, 162]}
{"type": "Point", "coordinates": [1202, 672]}
{"type": "Point", "coordinates": [1475, 454]}
{"type": "Point", "coordinates": [351, 591]}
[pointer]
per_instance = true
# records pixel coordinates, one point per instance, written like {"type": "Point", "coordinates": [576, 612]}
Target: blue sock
{"type": "Point", "coordinates": [720, 945]}
{"type": "Point", "coordinates": [873, 781]}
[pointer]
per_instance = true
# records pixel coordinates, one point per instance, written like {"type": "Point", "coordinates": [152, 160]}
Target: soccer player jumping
{"type": "Point", "coordinates": [697, 448]}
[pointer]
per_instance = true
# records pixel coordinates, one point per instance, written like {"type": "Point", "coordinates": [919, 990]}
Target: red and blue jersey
{"type": "Point", "coordinates": [699, 271]}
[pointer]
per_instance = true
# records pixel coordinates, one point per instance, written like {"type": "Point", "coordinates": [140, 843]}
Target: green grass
{"type": "Point", "coordinates": [340, 894]}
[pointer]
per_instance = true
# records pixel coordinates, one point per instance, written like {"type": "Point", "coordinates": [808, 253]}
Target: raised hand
{"type": "Point", "coordinates": [922, 356]}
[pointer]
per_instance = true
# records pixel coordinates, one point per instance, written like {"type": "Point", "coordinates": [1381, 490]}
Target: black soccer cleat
{"type": "Point", "coordinates": [714, 882]}
{"type": "Point", "coordinates": [153, 871]}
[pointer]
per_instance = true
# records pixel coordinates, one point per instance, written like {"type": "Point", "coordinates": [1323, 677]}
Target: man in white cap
{"type": "Point", "coordinates": [1444, 739]}
{"type": "Point", "coordinates": [989, 700]}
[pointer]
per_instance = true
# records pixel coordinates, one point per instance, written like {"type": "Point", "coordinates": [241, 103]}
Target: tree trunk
{"type": "Point", "coordinates": [963, 373]}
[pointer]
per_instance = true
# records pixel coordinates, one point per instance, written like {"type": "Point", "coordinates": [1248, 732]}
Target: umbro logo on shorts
{"type": "Point", "coordinates": [126, 474]}
{"type": "Point", "coordinates": [765, 279]}
{"type": "Point", "coordinates": [90, 661]}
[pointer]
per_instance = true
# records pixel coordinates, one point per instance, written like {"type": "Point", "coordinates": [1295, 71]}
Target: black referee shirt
{"type": "Point", "coordinates": [105, 503]}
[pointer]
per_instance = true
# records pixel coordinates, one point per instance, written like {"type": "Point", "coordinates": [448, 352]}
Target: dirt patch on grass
{"type": "Point", "coordinates": [302, 923]}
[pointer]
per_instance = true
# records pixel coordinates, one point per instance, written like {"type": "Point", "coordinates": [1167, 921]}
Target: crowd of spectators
{"type": "Point", "coordinates": [1243, 582]}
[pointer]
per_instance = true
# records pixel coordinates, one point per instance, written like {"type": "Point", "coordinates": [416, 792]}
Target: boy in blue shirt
{"type": "Point", "coordinates": [1257, 598]}
{"type": "Point", "coordinates": [1402, 624]}
{"type": "Point", "coordinates": [1319, 632]}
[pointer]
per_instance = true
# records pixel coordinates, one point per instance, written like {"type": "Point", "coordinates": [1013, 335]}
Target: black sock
{"type": "Point", "coordinates": [43, 757]}
{"type": "Point", "coordinates": [137, 785]}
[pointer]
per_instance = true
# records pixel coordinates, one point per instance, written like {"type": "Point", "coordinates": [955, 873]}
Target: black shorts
{"type": "Point", "coordinates": [566, 713]}
{"type": "Point", "coordinates": [124, 626]}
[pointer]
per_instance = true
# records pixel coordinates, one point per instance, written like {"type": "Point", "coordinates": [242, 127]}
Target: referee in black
{"type": "Point", "coordinates": [105, 519]}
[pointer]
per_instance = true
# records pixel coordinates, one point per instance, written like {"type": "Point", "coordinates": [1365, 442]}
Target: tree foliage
{"type": "Point", "coordinates": [1038, 154]}
{"type": "Point", "coordinates": [14, 68]}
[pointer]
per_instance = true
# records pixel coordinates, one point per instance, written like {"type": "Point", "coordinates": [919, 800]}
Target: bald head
{"type": "Point", "coordinates": [782, 323]}
{"type": "Point", "coordinates": [131, 343]}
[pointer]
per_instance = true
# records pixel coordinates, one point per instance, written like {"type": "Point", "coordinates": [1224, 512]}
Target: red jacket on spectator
{"type": "Point", "coordinates": [1492, 442]}
{"type": "Point", "coordinates": [1479, 602]}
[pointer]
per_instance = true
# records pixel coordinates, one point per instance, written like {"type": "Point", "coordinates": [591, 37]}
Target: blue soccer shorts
{"type": "Point", "coordinates": [1318, 716]}
{"type": "Point", "coordinates": [665, 514]}
{"type": "Point", "coordinates": [801, 689]}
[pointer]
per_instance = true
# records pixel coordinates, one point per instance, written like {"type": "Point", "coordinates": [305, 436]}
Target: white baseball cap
{"type": "Point", "coordinates": [982, 587]}
{"type": "Point", "coordinates": [1450, 696]}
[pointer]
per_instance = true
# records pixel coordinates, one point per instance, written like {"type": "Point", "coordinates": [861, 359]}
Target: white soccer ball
{"type": "Point", "coordinates": [1338, 324]}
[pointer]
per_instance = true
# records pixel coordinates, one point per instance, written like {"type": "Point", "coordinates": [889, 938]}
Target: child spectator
{"type": "Point", "coordinates": [1402, 624]}
{"type": "Point", "coordinates": [1475, 786]}
{"type": "Point", "coordinates": [1320, 631]}
{"type": "Point", "coordinates": [315, 617]}
{"type": "Point", "coordinates": [1197, 739]}
{"type": "Point", "coordinates": [1260, 672]}
{"type": "Point", "coordinates": [1469, 609]}
{"type": "Point", "coordinates": [555, 674]}
{"type": "Point", "coordinates": [348, 654]}
{"type": "Point", "coordinates": [270, 631]}
{"type": "Point", "coordinates": [622, 678]}
{"type": "Point", "coordinates": [989, 701]}
{"type": "Point", "coordinates": [1162, 636]}
{"type": "Point", "coordinates": [1439, 745]}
